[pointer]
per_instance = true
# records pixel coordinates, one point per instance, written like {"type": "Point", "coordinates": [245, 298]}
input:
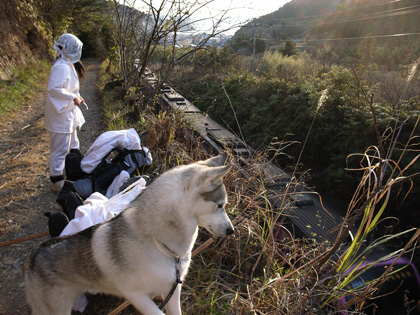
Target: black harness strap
{"type": "Point", "coordinates": [174, 286]}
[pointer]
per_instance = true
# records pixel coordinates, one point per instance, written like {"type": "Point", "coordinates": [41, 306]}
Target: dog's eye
{"type": "Point", "coordinates": [220, 206]}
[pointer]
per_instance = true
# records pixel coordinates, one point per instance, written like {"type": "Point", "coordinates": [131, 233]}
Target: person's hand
{"type": "Point", "coordinates": [78, 100]}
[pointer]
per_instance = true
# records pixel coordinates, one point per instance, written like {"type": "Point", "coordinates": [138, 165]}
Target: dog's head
{"type": "Point", "coordinates": [209, 207]}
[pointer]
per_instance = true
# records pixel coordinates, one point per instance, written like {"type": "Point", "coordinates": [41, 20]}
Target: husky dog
{"type": "Point", "coordinates": [140, 254]}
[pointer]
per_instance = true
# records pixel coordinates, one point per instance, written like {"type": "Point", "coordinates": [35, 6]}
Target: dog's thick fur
{"type": "Point", "coordinates": [130, 255]}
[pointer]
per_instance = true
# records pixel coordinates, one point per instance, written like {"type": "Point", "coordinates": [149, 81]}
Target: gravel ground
{"type": "Point", "coordinates": [25, 189]}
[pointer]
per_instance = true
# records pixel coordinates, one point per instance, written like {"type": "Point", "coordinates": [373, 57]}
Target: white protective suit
{"type": "Point", "coordinates": [62, 116]}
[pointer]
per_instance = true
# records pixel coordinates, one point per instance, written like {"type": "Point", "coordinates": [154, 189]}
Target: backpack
{"type": "Point", "coordinates": [111, 153]}
{"type": "Point", "coordinates": [70, 201]}
{"type": "Point", "coordinates": [79, 185]}
{"type": "Point", "coordinates": [134, 162]}
{"type": "Point", "coordinates": [72, 167]}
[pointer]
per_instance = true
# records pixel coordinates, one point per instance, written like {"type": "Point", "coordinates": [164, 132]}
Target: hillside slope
{"type": "Point", "coordinates": [357, 18]}
{"type": "Point", "coordinates": [371, 31]}
{"type": "Point", "coordinates": [292, 20]}
{"type": "Point", "coordinates": [23, 38]}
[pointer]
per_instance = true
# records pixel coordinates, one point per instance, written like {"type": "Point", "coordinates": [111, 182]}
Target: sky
{"type": "Point", "coordinates": [241, 11]}
{"type": "Point", "coordinates": [248, 9]}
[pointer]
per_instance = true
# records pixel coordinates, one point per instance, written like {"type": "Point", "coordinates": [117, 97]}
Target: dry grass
{"type": "Point", "coordinates": [233, 275]}
{"type": "Point", "coordinates": [261, 269]}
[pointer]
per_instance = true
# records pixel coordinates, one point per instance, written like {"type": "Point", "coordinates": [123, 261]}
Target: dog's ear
{"type": "Point", "coordinates": [214, 176]}
{"type": "Point", "coordinates": [216, 161]}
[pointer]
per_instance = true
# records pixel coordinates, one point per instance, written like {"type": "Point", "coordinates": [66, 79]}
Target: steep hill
{"type": "Point", "coordinates": [23, 38]}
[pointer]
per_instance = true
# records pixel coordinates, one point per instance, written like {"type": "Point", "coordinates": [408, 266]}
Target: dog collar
{"type": "Point", "coordinates": [165, 250]}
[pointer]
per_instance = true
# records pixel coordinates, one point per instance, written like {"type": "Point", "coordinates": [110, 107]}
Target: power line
{"type": "Point", "coordinates": [341, 38]}
{"type": "Point", "coordinates": [355, 38]}
{"type": "Point", "coordinates": [373, 16]}
{"type": "Point", "coordinates": [377, 15]}
{"type": "Point", "coordinates": [335, 39]}
{"type": "Point", "coordinates": [338, 13]}
{"type": "Point", "coordinates": [383, 14]}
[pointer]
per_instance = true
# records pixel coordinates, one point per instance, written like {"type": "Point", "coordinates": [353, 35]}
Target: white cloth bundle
{"type": "Point", "coordinates": [98, 208]}
{"type": "Point", "coordinates": [128, 139]}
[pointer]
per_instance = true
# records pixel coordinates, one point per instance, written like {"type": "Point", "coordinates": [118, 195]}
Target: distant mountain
{"type": "Point", "coordinates": [385, 32]}
{"type": "Point", "coordinates": [293, 20]}
{"type": "Point", "coordinates": [358, 18]}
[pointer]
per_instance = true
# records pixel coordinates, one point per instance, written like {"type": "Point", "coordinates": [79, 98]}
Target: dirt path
{"type": "Point", "coordinates": [25, 190]}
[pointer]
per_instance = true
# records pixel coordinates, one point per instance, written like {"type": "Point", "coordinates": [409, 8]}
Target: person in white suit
{"type": "Point", "coordinates": [62, 114]}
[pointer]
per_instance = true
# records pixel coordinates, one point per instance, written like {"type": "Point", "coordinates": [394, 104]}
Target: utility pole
{"type": "Point", "coordinates": [253, 50]}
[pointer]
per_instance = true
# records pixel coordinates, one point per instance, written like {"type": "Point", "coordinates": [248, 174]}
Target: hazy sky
{"type": "Point", "coordinates": [247, 9]}
{"type": "Point", "coordinates": [241, 11]}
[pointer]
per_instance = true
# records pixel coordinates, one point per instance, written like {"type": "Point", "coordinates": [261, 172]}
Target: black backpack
{"type": "Point", "coordinates": [79, 185]}
{"type": "Point", "coordinates": [70, 200]}
{"type": "Point", "coordinates": [72, 166]}
{"type": "Point", "coordinates": [71, 196]}
{"type": "Point", "coordinates": [135, 162]}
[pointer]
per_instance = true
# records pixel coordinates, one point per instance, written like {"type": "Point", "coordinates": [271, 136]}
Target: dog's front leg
{"type": "Point", "coordinates": [144, 304]}
{"type": "Point", "coordinates": [173, 307]}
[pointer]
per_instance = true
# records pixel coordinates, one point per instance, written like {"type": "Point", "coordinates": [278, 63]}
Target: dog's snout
{"type": "Point", "coordinates": [229, 231]}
